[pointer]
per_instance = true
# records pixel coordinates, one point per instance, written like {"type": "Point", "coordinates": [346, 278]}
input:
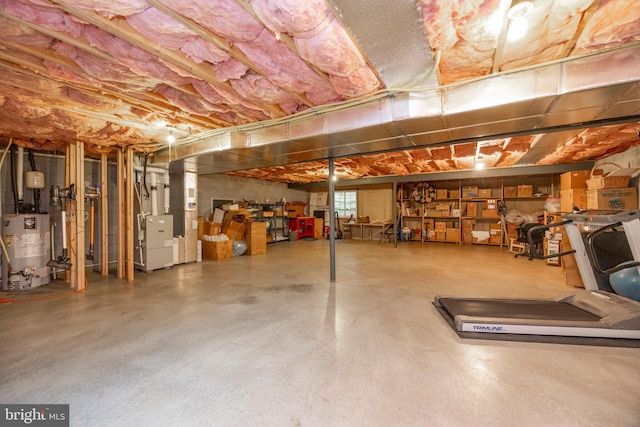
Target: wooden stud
{"type": "Point", "coordinates": [80, 224]}
{"type": "Point", "coordinates": [129, 213]}
{"type": "Point", "coordinates": [104, 212]}
{"type": "Point", "coordinates": [121, 225]}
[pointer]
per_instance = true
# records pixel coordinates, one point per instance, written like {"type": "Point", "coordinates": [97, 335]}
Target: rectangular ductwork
{"type": "Point", "coordinates": [574, 92]}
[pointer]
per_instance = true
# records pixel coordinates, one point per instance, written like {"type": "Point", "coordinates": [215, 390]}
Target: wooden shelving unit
{"type": "Point", "coordinates": [468, 211]}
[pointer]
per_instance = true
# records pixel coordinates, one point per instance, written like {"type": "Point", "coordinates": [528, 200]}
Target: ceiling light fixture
{"type": "Point", "coordinates": [479, 166]}
{"type": "Point", "coordinates": [520, 10]}
{"type": "Point", "coordinates": [171, 139]}
{"type": "Point", "coordinates": [518, 25]}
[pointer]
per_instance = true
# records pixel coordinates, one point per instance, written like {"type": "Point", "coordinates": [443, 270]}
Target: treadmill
{"type": "Point", "coordinates": [595, 312]}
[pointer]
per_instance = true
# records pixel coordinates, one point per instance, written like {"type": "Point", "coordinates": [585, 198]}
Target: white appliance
{"type": "Point", "coordinates": [155, 234]}
{"type": "Point", "coordinates": [26, 237]}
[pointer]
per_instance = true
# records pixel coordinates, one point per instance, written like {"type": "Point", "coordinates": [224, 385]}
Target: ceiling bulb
{"type": "Point", "coordinates": [171, 139]}
{"type": "Point", "coordinates": [520, 10]}
{"type": "Point", "coordinates": [479, 165]}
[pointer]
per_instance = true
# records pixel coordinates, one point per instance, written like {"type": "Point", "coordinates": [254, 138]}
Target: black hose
{"type": "Point", "coordinates": [14, 185]}
{"type": "Point", "coordinates": [144, 175]}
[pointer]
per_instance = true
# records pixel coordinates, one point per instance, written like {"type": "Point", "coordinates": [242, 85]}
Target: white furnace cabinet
{"type": "Point", "coordinates": [157, 245]}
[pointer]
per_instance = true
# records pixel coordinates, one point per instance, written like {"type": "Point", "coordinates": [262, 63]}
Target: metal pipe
{"type": "Point", "coordinates": [332, 224]}
{"type": "Point", "coordinates": [167, 205]}
{"type": "Point", "coordinates": [154, 194]}
{"type": "Point", "coordinates": [19, 173]}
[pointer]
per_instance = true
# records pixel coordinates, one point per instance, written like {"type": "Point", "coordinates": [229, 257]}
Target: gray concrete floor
{"type": "Point", "coordinates": [268, 340]}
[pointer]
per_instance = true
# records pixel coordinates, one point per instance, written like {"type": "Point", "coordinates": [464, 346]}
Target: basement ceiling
{"type": "Point", "coordinates": [272, 88]}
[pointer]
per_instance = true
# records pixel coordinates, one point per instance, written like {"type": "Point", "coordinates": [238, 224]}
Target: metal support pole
{"type": "Point", "coordinates": [394, 197]}
{"type": "Point", "coordinates": [332, 224]}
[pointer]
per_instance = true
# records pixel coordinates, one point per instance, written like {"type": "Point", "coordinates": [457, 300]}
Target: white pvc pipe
{"type": "Point", "coordinates": [150, 169]}
{"type": "Point", "coordinates": [165, 173]}
{"type": "Point", "coordinates": [154, 193]}
{"type": "Point", "coordinates": [19, 173]}
{"type": "Point", "coordinates": [166, 195]}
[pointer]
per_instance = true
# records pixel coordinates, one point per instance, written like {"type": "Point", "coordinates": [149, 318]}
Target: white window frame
{"type": "Point", "coordinates": [346, 203]}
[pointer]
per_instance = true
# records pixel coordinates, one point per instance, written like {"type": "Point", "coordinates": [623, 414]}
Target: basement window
{"type": "Point", "coordinates": [346, 203]}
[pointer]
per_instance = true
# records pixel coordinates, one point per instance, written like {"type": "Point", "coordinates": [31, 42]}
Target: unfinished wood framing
{"type": "Point", "coordinates": [121, 226]}
{"type": "Point", "coordinates": [75, 223]}
{"type": "Point", "coordinates": [129, 214]}
{"type": "Point", "coordinates": [104, 210]}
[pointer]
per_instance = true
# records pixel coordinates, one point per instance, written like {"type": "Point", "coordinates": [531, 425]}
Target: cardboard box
{"type": "Point", "coordinates": [209, 229]}
{"type": "Point", "coordinates": [319, 199]}
{"type": "Point", "coordinates": [490, 213]}
{"type": "Point", "coordinates": [236, 230]}
{"type": "Point", "coordinates": [441, 225]}
{"type": "Point", "coordinates": [574, 180]}
{"type": "Point", "coordinates": [510, 192]}
{"type": "Point", "coordinates": [490, 209]}
{"type": "Point", "coordinates": [217, 250]}
{"type": "Point", "coordinates": [484, 193]}
{"type": "Point", "coordinates": [468, 225]}
{"type": "Point", "coordinates": [573, 197]}
{"type": "Point", "coordinates": [452, 235]}
{"type": "Point", "coordinates": [295, 210]}
{"type": "Point", "coordinates": [454, 194]}
{"type": "Point", "coordinates": [239, 215]}
{"type": "Point", "coordinates": [318, 228]}
{"type": "Point", "coordinates": [525, 190]}
{"type": "Point", "coordinates": [201, 222]}
{"type": "Point", "coordinates": [441, 236]}
{"type": "Point", "coordinates": [441, 193]}
{"type": "Point", "coordinates": [469, 192]}
{"type": "Point", "coordinates": [472, 209]}
{"type": "Point", "coordinates": [495, 237]}
{"type": "Point", "coordinates": [256, 237]}
{"type": "Point", "coordinates": [180, 250]}
{"type": "Point", "coordinates": [613, 198]}
{"type": "Point", "coordinates": [552, 247]}
{"type": "Point", "coordinates": [443, 209]}
{"type": "Point", "coordinates": [429, 223]}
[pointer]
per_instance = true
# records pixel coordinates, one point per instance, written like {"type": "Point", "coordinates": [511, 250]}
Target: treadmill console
{"type": "Point", "coordinates": [603, 216]}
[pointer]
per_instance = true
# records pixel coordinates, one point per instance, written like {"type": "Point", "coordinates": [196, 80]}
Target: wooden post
{"type": "Point", "coordinates": [129, 213]}
{"type": "Point", "coordinates": [80, 223]}
{"type": "Point", "coordinates": [104, 210]}
{"type": "Point", "coordinates": [74, 174]}
{"type": "Point", "coordinates": [121, 225]}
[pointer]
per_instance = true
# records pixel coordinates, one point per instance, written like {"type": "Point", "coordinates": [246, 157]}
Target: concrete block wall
{"type": "Point", "coordinates": [219, 186]}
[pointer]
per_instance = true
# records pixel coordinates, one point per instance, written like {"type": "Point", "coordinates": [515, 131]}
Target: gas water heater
{"type": "Point", "coordinates": [26, 237]}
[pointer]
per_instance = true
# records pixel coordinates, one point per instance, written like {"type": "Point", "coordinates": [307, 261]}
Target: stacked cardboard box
{"type": "Point", "coordinates": [510, 192]}
{"type": "Point", "coordinates": [573, 190]}
{"type": "Point", "coordinates": [484, 193]}
{"type": "Point", "coordinates": [217, 250]}
{"type": "Point", "coordinates": [452, 234]}
{"type": "Point", "coordinates": [495, 233]}
{"type": "Point", "coordinates": [469, 192]}
{"type": "Point", "coordinates": [467, 229]}
{"type": "Point", "coordinates": [525, 190]}
{"type": "Point", "coordinates": [490, 209]}
{"type": "Point", "coordinates": [613, 198]}
{"type": "Point", "coordinates": [256, 237]}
